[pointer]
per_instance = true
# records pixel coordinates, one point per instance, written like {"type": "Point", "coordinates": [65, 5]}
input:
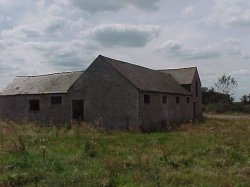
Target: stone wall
{"type": "Point", "coordinates": [17, 108]}
{"type": "Point", "coordinates": [197, 99]}
{"type": "Point", "coordinates": [109, 98]}
{"type": "Point", "coordinates": [155, 115]}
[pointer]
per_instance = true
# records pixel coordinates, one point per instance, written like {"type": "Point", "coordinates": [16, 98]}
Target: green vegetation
{"type": "Point", "coordinates": [214, 102]}
{"type": "Point", "coordinates": [227, 108]}
{"type": "Point", "coordinates": [209, 153]}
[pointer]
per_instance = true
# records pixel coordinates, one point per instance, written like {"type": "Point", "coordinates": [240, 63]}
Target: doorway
{"type": "Point", "coordinates": [77, 110]}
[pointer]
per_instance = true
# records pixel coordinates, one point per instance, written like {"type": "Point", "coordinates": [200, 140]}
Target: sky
{"type": "Point", "coordinates": [46, 36]}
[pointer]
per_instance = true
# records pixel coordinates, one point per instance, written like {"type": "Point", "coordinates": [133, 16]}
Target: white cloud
{"type": "Point", "coordinates": [241, 72]}
{"type": "Point", "coordinates": [111, 35]}
{"type": "Point", "coordinates": [189, 11]}
{"type": "Point", "coordinates": [234, 13]}
{"type": "Point", "coordinates": [231, 41]}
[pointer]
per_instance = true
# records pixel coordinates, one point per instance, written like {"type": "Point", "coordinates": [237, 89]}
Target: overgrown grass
{"type": "Point", "coordinates": [209, 153]}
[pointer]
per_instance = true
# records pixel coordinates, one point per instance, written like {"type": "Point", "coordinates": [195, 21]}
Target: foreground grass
{"type": "Point", "coordinates": [211, 153]}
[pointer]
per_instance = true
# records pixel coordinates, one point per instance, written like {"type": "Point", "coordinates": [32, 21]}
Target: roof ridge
{"type": "Point", "coordinates": [178, 68]}
{"type": "Point", "coordinates": [57, 73]}
{"type": "Point", "coordinates": [117, 65]}
{"type": "Point", "coordinates": [123, 62]}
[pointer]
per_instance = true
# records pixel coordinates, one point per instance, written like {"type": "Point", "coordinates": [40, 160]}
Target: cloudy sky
{"type": "Point", "coordinates": [45, 36]}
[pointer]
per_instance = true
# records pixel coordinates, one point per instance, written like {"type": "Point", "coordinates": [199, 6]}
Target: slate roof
{"type": "Point", "coordinates": [142, 78]}
{"type": "Point", "coordinates": [42, 84]}
{"type": "Point", "coordinates": [182, 75]}
{"type": "Point", "coordinates": [146, 79]}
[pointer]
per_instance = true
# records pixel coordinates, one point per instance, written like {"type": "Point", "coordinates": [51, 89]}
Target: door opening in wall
{"type": "Point", "coordinates": [78, 110]}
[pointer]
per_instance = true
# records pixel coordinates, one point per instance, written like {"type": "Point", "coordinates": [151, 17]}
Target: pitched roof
{"type": "Point", "coordinates": [182, 75]}
{"type": "Point", "coordinates": [146, 79]}
{"type": "Point", "coordinates": [42, 84]}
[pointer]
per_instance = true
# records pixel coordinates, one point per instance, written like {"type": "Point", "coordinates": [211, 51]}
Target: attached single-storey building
{"type": "Point", "coordinates": [112, 93]}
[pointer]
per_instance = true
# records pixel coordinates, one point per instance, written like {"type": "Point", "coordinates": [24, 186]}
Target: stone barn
{"type": "Point", "coordinates": [115, 94]}
{"type": "Point", "coordinates": [190, 80]}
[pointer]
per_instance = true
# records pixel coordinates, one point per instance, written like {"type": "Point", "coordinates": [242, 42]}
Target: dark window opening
{"type": "Point", "coordinates": [188, 100]}
{"type": "Point", "coordinates": [164, 99]}
{"type": "Point", "coordinates": [34, 105]}
{"type": "Point", "coordinates": [147, 99]}
{"type": "Point", "coordinates": [56, 100]}
{"type": "Point", "coordinates": [177, 100]}
{"type": "Point", "coordinates": [196, 88]}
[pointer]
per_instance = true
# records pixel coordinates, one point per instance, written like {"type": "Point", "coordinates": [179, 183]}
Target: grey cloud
{"type": "Point", "coordinates": [43, 29]}
{"type": "Point", "coordinates": [67, 59]}
{"type": "Point", "coordinates": [71, 55]}
{"type": "Point", "coordinates": [177, 50]}
{"type": "Point", "coordinates": [21, 32]}
{"type": "Point", "coordinates": [29, 33]}
{"type": "Point", "coordinates": [94, 6]}
{"type": "Point", "coordinates": [144, 4]}
{"type": "Point", "coordinates": [124, 35]}
{"type": "Point", "coordinates": [55, 25]}
{"type": "Point", "coordinates": [240, 21]}
{"type": "Point", "coordinates": [6, 69]}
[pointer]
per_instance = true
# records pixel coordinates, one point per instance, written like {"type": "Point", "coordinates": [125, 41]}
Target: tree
{"type": "Point", "coordinates": [245, 99]}
{"type": "Point", "coordinates": [226, 84]}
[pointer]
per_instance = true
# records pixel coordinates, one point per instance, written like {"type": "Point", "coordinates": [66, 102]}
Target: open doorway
{"type": "Point", "coordinates": [77, 110]}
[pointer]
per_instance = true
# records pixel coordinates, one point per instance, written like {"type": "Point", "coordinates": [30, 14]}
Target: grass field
{"type": "Point", "coordinates": [210, 153]}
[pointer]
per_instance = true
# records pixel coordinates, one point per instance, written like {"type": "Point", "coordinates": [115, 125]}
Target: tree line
{"type": "Point", "coordinates": [221, 98]}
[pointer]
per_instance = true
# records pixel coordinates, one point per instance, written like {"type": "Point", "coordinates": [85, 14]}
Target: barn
{"type": "Point", "coordinates": [114, 94]}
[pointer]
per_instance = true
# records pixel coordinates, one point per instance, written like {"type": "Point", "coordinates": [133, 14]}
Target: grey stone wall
{"type": "Point", "coordinates": [155, 115]}
{"type": "Point", "coordinates": [197, 99]}
{"type": "Point", "coordinates": [17, 108]}
{"type": "Point", "coordinates": [109, 99]}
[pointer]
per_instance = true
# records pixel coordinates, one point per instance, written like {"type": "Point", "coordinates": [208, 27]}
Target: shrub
{"type": "Point", "coordinates": [223, 107]}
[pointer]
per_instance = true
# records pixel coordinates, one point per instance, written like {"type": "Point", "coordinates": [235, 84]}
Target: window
{"type": "Point", "coordinates": [146, 99]}
{"type": "Point", "coordinates": [188, 100]}
{"type": "Point", "coordinates": [177, 100]}
{"type": "Point", "coordinates": [56, 100]}
{"type": "Point", "coordinates": [164, 99]}
{"type": "Point", "coordinates": [34, 105]}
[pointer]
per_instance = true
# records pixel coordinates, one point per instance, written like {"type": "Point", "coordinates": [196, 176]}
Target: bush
{"type": "Point", "coordinates": [223, 107]}
{"type": "Point", "coordinates": [211, 107]}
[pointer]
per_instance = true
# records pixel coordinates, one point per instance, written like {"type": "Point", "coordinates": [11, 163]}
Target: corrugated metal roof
{"type": "Point", "coordinates": [146, 79]}
{"type": "Point", "coordinates": [182, 75]}
{"type": "Point", "coordinates": [42, 84]}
